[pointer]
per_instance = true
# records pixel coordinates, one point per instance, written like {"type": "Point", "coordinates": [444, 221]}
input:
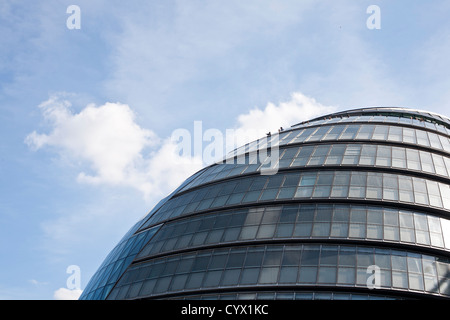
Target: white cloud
{"type": "Point", "coordinates": [256, 123]}
{"type": "Point", "coordinates": [117, 151]}
{"type": "Point", "coordinates": [66, 294]}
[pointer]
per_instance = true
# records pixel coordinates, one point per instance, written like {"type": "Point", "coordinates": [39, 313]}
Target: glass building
{"type": "Point", "coordinates": [351, 205]}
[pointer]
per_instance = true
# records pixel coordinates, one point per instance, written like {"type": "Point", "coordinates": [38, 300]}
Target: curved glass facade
{"type": "Point", "coordinates": [357, 208]}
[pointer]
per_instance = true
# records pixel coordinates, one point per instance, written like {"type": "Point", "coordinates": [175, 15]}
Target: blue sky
{"type": "Point", "coordinates": [86, 114]}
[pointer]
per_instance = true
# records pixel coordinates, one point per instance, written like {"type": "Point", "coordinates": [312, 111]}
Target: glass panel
{"type": "Point", "coordinates": [398, 157]}
{"type": "Point", "coordinates": [395, 134]}
{"type": "Point", "coordinates": [407, 235]}
{"type": "Point", "coordinates": [380, 132]}
{"type": "Point", "coordinates": [272, 257]}
{"type": "Point", "coordinates": [288, 275]}
{"type": "Point", "coordinates": [269, 194]}
{"type": "Point", "coordinates": [383, 259]}
{"type": "Point", "coordinates": [406, 189]}
{"type": "Point", "coordinates": [307, 180]}
{"type": "Point", "coordinates": [346, 275]}
{"type": "Point", "coordinates": [304, 192]}
{"type": "Point", "coordinates": [357, 230]}
{"type": "Point", "coordinates": [391, 217]}
{"type": "Point", "coordinates": [434, 140]}
{"type": "Point", "coordinates": [364, 257]}
{"type": "Point", "coordinates": [288, 214]}
{"type": "Point", "coordinates": [342, 178]}
{"type": "Point", "coordinates": [321, 229]}
{"type": "Point", "coordinates": [445, 194]}
{"type": "Point", "coordinates": [347, 256]}
{"type": "Point", "coordinates": [390, 187]}
{"type": "Point", "coordinates": [212, 278]}
{"type": "Point", "coordinates": [368, 154]}
{"type": "Point", "coordinates": [251, 196]}
{"type": "Point", "coordinates": [420, 191]}
{"type": "Point", "coordinates": [398, 263]}
{"type": "Point", "coordinates": [357, 192]}
{"type": "Point", "coordinates": [357, 185]}
{"type": "Point", "coordinates": [413, 159]}
{"type": "Point", "coordinates": [334, 133]}
{"type": "Point", "coordinates": [351, 155]}
{"type": "Point", "coordinates": [374, 216]}
{"type": "Point", "coordinates": [329, 256]}
{"type": "Point", "coordinates": [399, 279]}
{"type": "Point", "coordinates": [318, 134]}
{"type": "Point", "coordinates": [268, 275]}
{"type": "Point", "coordinates": [384, 156]}
{"type": "Point", "coordinates": [426, 162]}
{"type": "Point", "coordinates": [374, 231]}
{"type": "Point", "coordinates": [422, 237]}
{"type": "Point", "coordinates": [406, 219]}
{"type": "Point", "coordinates": [291, 180]}
{"type": "Point", "coordinates": [254, 258]}
{"type": "Point", "coordinates": [339, 191]}
{"type": "Point", "coordinates": [339, 230]}
{"type": "Point", "coordinates": [318, 156]}
{"type": "Point", "coordinates": [374, 185]}
{"type": "Point", "coordinates": [327, 275]}
{"type": "Point", "coordinates": [409, 135]}
{"type": "Point", "coordinates": [231, 277]}
{"type": "Point", "coordinates": [319, 264]}
{"type": "Point", "coordinates": [445, 142]}
{"type": "Point", "coordinates": [391, 233]}
{"type": "Point", "coordinates": [434, 193]}
{"type": "Point", "coordinates": [358, 179]}
{"type": "Point", "coordinates": [286, 193]}
{"type": "Point", "coordinates": [439, 165]}
{"type": "Point", "coordinates": [365, 132]}
{"type": "Point", "coordinates": [308, 275]}
{"type": "Point", "coordinates": [302, 230]}
{"type": "Point", "coordinates": [446, 232]}
{"type": "Point", "coordinates": [310, 257]}
{"type": "Point", "coordinates": [416, 281]}
{"type": "Point", "coordinates": [422, 138]}
{"type": "Point", "coordinates": [350, 132]}
{"type": "Point", "coordinates": [291, 257]}
{"type": "Point", "coordinates": [341, 213]}
{"type": "Point", "coordinates": [336, 154]}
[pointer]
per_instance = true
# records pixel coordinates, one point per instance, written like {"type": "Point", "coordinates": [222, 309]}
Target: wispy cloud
{"type": "Point", "coordinates": [164, 53]}
{"type": "Point", "coordinates": [38, 283]}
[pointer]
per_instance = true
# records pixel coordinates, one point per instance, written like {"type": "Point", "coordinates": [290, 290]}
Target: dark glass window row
{"type": "Point", "coordinates": [307, 221]}
{"type": "Point", "coordinates": [308, 185]}
{"type": "Point", "coordinates": [380, 118]}
{"type": "Point", "coordinates": [288, 295]}
{"type": "Point", "coordinates": [115, 264]}
{"type": "Point", "coordinates": [308, 264]}
{"type": "Point", "coordinates": [335, 155]}
{"type": "Point", "coordinates": [352, 132]}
